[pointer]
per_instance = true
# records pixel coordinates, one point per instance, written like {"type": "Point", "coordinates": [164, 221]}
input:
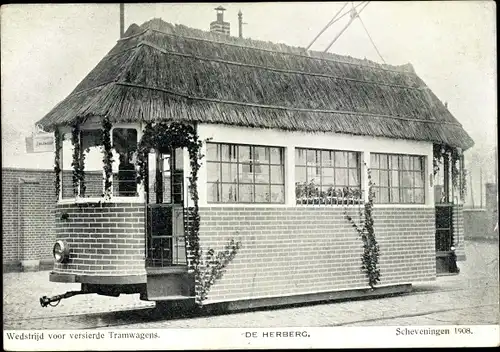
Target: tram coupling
{"type": "Point", "coordinates": [47, 301]}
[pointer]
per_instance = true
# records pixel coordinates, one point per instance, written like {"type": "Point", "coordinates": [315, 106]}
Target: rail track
{"type": "Point", "coordinates": [144, 315]}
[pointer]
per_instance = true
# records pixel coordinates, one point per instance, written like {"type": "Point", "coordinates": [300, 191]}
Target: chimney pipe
{"type": "Point", "coordinates": [240, 24]}
{"type": "Point", "coordinates": [122, 20]}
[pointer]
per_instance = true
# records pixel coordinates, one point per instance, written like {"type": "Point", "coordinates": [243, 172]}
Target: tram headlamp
{"type": "Point", "coordinates": [61, 252]}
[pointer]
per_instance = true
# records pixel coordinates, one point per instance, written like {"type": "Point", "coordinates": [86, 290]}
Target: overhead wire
{"type": "Point", "coordinates": [354, 14]}
{"type": "Point", "coordinates": [327, 25]}
{"type": "Point", "coordinates": [371, 40]}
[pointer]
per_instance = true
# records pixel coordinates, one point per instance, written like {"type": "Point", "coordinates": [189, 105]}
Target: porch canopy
{"type": "Point", "coordinates": [159, 71]}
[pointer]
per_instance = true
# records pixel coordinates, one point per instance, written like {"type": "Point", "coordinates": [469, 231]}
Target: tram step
{"type": "Point", "coordinates": [170, 285]}
{"type": "Point", "coordinates": [170, 298]}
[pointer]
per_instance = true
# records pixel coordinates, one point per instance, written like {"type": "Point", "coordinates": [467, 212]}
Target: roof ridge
{"type": "Point", "coordinates": [229, 62]}
{"type": "Point", "coordinates": [218, 38]}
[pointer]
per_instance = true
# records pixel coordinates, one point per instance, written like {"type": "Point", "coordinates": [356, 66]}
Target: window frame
{"type": "Point", "coordinates": [139, 198]}
{"type": "Point", "coordinates": [389, 168]}
{"type": "Point", "coordinates": [321, 165]}
{"type": "Point", "coordinates": [250, 162]}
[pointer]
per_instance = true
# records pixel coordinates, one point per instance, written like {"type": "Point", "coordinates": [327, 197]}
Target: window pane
{"type": "Point", "coordinates": [312, 175]}
{"type": "Point", "coordinates": [407, 179]}
{"type": "Point", "coordinates": [262, 194]}
{"type": "Point", "coordinates": [277, 156]}
{"type": "Point", "coordinates": [406, 163]}
{"type": "Point", "coordinates": [277, 174]}
{"type": "Point", "coordinates": [125, 140]}
{"type": "Point", "coordinates": [261, 155]}
{"type": "Point", "coordinates": [395, 195]}
{"type": "Point", "coordinates": [243, 153]}
{"type": "Point", "coordinates": [419, 179]}
{"type": "Point", "coordinates": [419, 195]}
{"type": "Point", "coordinates": [394, 178]}
{"type": "Point", "coordinates": [92, 138]}
{"type": "Point", "coordinates": [383, 161]}
{"type": "Point", "coordinates": [213, 192]}
{"type": "Point", "coordinates": [229, 172]}
{"type": "Point", "coordinates": [354, 177]}
{"type": "Point", "coordinates": [277, 194]}
{"type": "Point", "coordinates": [246, 193]}
{"type": "Point", "coordinates": [384, 195]}
{"type": "Point", "coordinates": [262, 174]}
{"type": "Point", "coordinates": [340, 159]}
{"type": "Point", "coordinates": [245, 173]}
{"type": "Point", "coordinates": [394, 162]}
{"type": "Point", "coordinates": [300, 157]}
{"type": "Point", "coordinates": [328, 178]}
{"type": "Point", "coordinates": [375, 177]}
{"type": "Point", "coordinates": [213, 172]}
{"type": "Point", "coordinates": [228, 152]}
{"type": "Point", "coordinates": [384, 178]}
{"type": "Point", "coordinates": [300, 174]}
{"type": "Point", "coordinates": [341, 176]}
{"type": "Point", "coordinates": [228, 192]}
{"type": "Point", "coordinates": [407, 195]}
{"type": "Point", "coordinates": [326, 158]}
{"type": "Point", "coordinates": [312, 158]}
{"type": "Point", "coordinates": [374, 161]}
{"type": "Point", "coordinates": [352, 159]}
{"type": "Point", "coordinates": [213, 152]}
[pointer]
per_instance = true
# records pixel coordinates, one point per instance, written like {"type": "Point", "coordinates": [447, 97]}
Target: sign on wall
{"type": "Point", "coordinates": [40, 143]}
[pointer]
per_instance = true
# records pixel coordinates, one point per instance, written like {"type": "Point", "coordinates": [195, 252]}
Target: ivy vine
{"type": "Point", "coordinates": [212, 267]}
{"type": "Point", "coordinates": [458, 174]}
{"type": "Point", "coordinates": [165, 136]}
{"type": "Point", "coordinates": [57, 161]}
{"type": "Point", "coordinates": [366, 231]}
{"type": "Point", "coordinates": [107, 157]}
{"type": "Point", "coordinates": [78, 162]}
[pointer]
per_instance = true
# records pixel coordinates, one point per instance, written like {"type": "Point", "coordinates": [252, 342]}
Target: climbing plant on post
{"type": "Point", "coordinates": [168, 136]}
{"type": "Point", "coordinates": [107, 159]}
{"type": "Point", "coordinates": [57, 161]}
{"type": "Point", "coordinates": [366, 230]}
{"type": "Point", "coordinates": [458, 171]}
{"type": "Point", "coordinates": [78, 161]}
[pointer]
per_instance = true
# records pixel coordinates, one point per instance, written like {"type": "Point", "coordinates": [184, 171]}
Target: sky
{"type": "Point", "coordinates": [46, 50]}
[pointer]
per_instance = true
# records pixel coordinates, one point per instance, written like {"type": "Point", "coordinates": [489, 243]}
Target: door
{"type": "Point", "coordinates": [165, 245]}
{"type": "Point", "coordinates": [446, 260]}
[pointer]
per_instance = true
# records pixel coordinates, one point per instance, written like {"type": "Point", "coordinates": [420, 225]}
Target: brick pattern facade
{"type": "Point", "coordinates": [289, 251]}
{"type": "Point", "coordinates": [28, 222]}
{"type": "Point", "coordinates": [104, 239]}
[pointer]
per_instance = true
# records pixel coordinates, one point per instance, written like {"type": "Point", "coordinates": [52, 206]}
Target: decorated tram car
{"type": "Point", "coordinates": [194, 166]}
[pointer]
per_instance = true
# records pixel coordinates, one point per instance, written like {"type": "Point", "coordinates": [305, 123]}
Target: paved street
{"type": "Point", "coordinates": [469, 298]}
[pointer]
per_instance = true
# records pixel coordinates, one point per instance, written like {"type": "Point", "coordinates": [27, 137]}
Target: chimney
{"type": "Point", "coordinates": [122, 20]}
{"type": "Point", "coordinates": [219, 25]}
{"type": "Point", "coordinates": [240, 24]}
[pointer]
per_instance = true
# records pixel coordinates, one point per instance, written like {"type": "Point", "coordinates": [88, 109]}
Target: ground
{"type": "Point", "coordinates": [470, 298]}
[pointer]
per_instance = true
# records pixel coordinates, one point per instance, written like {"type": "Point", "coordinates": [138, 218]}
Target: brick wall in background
{"type": "Point", "coordinates": [27, 225]}
{"type": "Point", "coordinates": [311, 249]}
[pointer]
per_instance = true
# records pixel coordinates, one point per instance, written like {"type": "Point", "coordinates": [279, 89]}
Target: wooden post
{"type": "Point", "coordinates": [446, 181]}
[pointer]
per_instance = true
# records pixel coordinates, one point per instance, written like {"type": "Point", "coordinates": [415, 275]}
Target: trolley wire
{"type": "Point", "coordinates": [371, 40]}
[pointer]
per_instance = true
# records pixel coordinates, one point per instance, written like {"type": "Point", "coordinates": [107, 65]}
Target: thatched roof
{"type": "Point", "coordinates": [159, 71]}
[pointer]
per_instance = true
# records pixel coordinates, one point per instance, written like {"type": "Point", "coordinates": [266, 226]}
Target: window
{"type": "Point", "coordinates": [324, 176]}
{"type": "Point", "coordinates": [124, 173]}
{"type": "Point", "coordinates": [398, 178]}
{"type": "Point", "coordinates": [245, 174]}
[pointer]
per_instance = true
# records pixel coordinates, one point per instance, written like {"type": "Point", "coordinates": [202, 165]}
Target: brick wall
{"type": "Point", "coordinates": [104, 239]}
{"type": "Point", "coordinates": [35, 214]}
{"type": "Point", "coordinates": [301, 250]}
{"type": "Point", "coordinates": [459, 231]}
